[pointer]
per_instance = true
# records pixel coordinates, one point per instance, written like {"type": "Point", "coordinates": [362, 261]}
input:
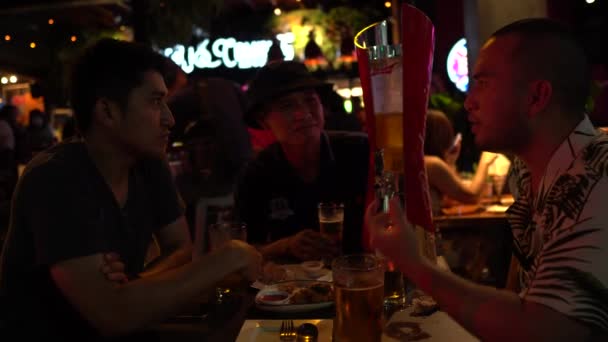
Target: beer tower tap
{"type": "Point", "coordinates": [385, 183]}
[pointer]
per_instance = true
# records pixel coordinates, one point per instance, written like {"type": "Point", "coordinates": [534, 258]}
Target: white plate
{"type": "Point", "coordinates": [291, 308]}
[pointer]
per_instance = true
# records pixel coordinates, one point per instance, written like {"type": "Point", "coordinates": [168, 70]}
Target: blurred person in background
{"type": "Point", "coordinates": [39, 133]}
{"type": "Point", "coordinates": [85, 205]}
{"type": "Point", "coordinates": [8, 164]}
{"type": "Point", "coordinates": [531, 84]}
{"type": "Point", "coordinates": [214, 137]}
{"type": "Point", "coordinates": [281, 189]}
{"type": "Point", "coordinates": [441, 151]}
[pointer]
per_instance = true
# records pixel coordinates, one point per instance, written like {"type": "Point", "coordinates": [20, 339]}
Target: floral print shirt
{"type": "Point", "coordinates": [561, 235]}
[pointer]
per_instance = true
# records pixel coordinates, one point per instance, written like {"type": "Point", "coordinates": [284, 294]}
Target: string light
{"type": "Point", "coordinates": [13, 79]}
{"type": "Point", "coordinates": [4, 80]}
{"type": "Point", "coordinates": [387, 4]}
{"type": "Point", "coordinates": [32, 45]}
{"type": "Point", "coordinates": [73, 39]}
{"type": "Point", "coordinates": [51, 21]}
{"type": "Point", "coordinates": [7, 37]}
{"type": "Point", "coordinates": [277, 11]}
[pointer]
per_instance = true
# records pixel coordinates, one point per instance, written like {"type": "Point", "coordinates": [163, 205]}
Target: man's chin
{"type": "Point", "coordinates": [160, 153]}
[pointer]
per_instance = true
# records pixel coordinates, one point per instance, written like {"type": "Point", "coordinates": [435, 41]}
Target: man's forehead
{"type": "Point", "coordinates": [296, 94]}
{"type": "Point", "coordinates": [495, 53]}
{"type": "Point", "coordinates": [153, 82]}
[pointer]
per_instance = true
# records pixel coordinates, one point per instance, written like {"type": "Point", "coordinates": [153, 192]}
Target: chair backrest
{"type": "Point", "coordinates": [209, 210]}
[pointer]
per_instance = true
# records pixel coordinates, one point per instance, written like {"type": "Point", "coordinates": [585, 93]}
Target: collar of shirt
{"type": "Point", "coordinates": [565, 155]}
{"type": "Point", "coordinates": [326, 160]}
{"type": "Point", "coordinates": [520, 214]}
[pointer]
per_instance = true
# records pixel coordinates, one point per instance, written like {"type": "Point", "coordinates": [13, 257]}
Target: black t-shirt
{"type": "Point", "coordinates": [64, 209]}
{"type": "Point", "coordinates": [276, 203]}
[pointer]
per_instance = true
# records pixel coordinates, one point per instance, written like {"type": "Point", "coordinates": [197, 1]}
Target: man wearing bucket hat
{"type": "Point", "coordinates": [281, 189]}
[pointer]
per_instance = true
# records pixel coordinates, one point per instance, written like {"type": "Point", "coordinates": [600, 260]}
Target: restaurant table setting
{"type": "Point", "coordinates": [402, 326]}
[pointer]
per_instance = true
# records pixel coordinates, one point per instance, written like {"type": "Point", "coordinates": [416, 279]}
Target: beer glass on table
{"type": "Point", "coordinates": [331, 223]}
{"type": "Point", "coordinates": [220, 234]}
{"type": "Point", "coordinates": [359, 293]}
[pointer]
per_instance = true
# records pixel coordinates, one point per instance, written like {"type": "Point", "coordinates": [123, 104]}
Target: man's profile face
{"type": "Point", "coordinates": [296, 118]}
{"type": "Point", "coordinates": [146, 121]}
{"type": "Point", "coordinates": [497, 100]}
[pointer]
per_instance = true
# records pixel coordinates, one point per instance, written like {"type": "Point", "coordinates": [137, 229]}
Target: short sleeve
{"type": "Point", "coordinates": [166, 202]}
{"type": "Point", "coordinates": [571, 276]}
{"type": "Point", "coordinates": [63, 218]}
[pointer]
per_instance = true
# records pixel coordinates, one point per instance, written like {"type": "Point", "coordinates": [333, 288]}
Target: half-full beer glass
{"type": "Point", "coordinates": [331, 221]}
{"type": "Point", "coordinates": [219, 234]}
{"type": "Point", "coordinates": [359, 291]}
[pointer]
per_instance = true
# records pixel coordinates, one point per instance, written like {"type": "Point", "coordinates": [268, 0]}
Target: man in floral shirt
{"type": "Point", "coordinates": [531, 82]}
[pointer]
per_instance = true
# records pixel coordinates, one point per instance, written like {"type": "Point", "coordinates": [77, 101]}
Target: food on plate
{"type": "Point", "coordinates": [424, 306]}
{"type": "Point", "coordinates": [274, 297]}
{"type": "Point", "coordinates": [273, 273]}
{"type": "Point", "coordinates": [298, 293]}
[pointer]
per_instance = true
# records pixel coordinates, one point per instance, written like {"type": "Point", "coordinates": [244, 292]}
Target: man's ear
{"type": "Point", "coordinates": [106, 112]}
{"type": "Point", "coordinates": [540, 94]}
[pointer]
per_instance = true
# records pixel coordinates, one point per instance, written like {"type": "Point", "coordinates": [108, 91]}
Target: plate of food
{"type": "Point", "coordinates": [295, 296]}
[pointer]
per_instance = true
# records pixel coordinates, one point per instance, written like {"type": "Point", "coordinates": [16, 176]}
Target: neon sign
{"type": "Point", "coordinates": [458, 65]}
{"type": "Point", "coordinates": [229, 52]}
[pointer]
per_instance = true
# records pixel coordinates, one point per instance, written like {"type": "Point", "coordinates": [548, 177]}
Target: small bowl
{"type": "Point", "coordinates": [272, 297]}
{"type": "Point", "coordinates": [313, 268]}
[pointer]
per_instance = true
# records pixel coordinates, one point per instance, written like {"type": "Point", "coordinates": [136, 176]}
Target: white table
{"type": "Point", "coordinates": [439, 326]}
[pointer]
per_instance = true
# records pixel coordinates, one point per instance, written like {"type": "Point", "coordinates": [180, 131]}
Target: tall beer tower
{"type": "Point", "coordinates": [395, 79]}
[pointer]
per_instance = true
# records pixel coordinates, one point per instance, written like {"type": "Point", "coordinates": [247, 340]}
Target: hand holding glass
{"type": "Point", "coordinates": [220, 234]}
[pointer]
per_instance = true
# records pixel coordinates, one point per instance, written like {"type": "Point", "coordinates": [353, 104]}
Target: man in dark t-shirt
{"type": "Point", "coordinates": [279, 193]}
{"type": "Point", "coordinates": [64, 209]}
{"type": "Point", "coordinates": [277, 204]}
{"type": "Point", "coordinates": [83, 201]}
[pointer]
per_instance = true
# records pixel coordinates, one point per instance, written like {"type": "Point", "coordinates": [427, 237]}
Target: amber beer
{"type": "Point", "coordinates": [359, 292]}
{"type": "Point", "coordinates": [389, 137]}
{"type": "Point", "coordinates": [331, 220]}
{"type": "Point", "coordinates": [359, 313]}
{"type": "Point", "coordinates": [332, 228]}
{"type": "Point", "coordinates": [386, 83]}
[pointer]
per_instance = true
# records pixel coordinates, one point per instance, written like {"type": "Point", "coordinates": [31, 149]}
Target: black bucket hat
{"type": "Point", "coordinates": [275, 80]}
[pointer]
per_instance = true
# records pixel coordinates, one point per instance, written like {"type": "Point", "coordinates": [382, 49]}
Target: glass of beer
{"type": "Point", "coordinates": [331, 220]}
{"type": "Point", "coordinates": [359, 292]}
{"type": "Point", "coordinates": [220, 234]}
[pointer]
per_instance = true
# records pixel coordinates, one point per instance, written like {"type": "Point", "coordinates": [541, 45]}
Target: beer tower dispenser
{"type": "Point", "coordinates": [395, 78]}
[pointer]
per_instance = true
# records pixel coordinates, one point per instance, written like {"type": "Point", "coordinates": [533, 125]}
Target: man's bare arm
{"type": "Point", "coordinates": [115, 309]}
{"type": "Point", "coordinates": [175, 248]}
{"type": "Point", "coordinates": [495, 315]}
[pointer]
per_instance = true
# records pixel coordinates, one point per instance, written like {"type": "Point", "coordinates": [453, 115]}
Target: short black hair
{"type": "Point", "coordinates": [110, 68]}
{"type": "Point", "coordinates": [549, 50]}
